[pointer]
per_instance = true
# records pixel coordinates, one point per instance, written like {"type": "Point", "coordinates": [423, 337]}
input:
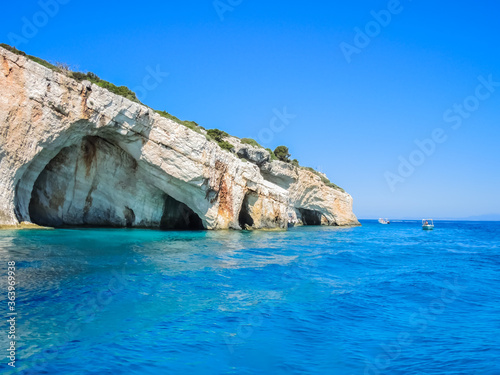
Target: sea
{"type": "Point", "coordinates": [374, 299]}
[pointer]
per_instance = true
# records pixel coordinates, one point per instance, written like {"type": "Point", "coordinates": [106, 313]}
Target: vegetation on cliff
{"type": "Point", "coordinates": [32, 58]}
{"type": "Point", "coordinates": [281, 153]}
{"type": "Point", "coordinates": [251, 142]}
{"type": "Point", "coordinates": [189, 124]}
{"type": "Point", "coordinates": [79, 76]}
{"type": "Point", "coordinates": [118, 90]}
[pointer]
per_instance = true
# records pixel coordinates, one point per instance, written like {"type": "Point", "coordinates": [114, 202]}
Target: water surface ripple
{"type": "Point", "coordinates": [377, 299]}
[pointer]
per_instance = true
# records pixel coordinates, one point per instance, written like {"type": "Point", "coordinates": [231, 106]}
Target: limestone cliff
{"type": "Point", "coordinates": [73, 153]}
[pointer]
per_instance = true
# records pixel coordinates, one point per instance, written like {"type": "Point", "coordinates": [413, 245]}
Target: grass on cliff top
{"type": "Point", "coordinates": [251, 142]}
{"type": "Point", "coordinates": [271, 152]}
{"type": "Point", "coordinates": [32, 58]}
{"type": "Point", "coordinates": [118, 90]}
{"type": "Point", "coordinates": [189, 124]}
{"type": "Point", "coordinates": [212, 134]}
{"type": "Point", "coordinates": [217, 135]}
{"type": "Point", "coordinates": [79, 76]}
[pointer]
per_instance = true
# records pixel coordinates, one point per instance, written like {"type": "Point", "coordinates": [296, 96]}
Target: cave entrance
{"type": "Point", "coordinates": [245, 218]}
{"type": "Point", "coordinates": [310, 217]}
{"type": "Point", "coordinates": [178, 216]}
{"type": "Point", "coordinates": [98, 184]}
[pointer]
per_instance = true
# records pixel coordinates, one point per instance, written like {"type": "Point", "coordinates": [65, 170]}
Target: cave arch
{"type": "Point", "coordinates": [178, 216]}
{"type": "Point", "coordinates": [310, 217]}
{"type": "Point", "coordinates": [98, 184]}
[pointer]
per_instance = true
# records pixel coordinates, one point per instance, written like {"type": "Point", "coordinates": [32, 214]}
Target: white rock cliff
{"type": "Point", "coordinates": [74, 153]}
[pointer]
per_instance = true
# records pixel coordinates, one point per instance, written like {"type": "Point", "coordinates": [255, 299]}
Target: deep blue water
{"type": "Point", "coordinates": [377, 299]}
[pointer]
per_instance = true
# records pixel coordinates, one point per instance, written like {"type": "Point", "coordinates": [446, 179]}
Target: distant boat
{"type": "Point", "coordinates": [427, 224]}
{"type": "Point", "coordinates": [384, 221]}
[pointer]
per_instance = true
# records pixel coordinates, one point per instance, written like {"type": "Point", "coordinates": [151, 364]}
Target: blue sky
{"type": "Point", "coordinates": [234, 67]}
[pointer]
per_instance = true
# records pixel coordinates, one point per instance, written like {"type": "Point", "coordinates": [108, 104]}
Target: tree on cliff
{"type": "Point", "coordinates": [282, 153]}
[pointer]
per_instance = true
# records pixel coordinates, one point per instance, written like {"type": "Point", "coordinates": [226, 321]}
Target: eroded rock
{"type": "Point", "coordinates": [75, 154]}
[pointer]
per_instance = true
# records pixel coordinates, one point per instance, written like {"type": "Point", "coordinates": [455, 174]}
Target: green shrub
{"type": "Point", "coordinates": [192, 125]}
{"type": "Point", "coordinates": [225, 145]}
{"type": "Point", "coordinates": [12, 49]}
{"type": "Point", "coordinates": [324, 179]}
{"type": "Point", "coordinates": [189, 124]}
{"type": "Point", "coordinates": [44, 63]}
{"type": "Point", "coordinates": [169, 116]}
{"type": "Point", "coordinates": [79, 76]}
{"type": "Point", "coordinates": [217, 134]}
{"type": "Point", "coordinates": [251, 142]}
{"type": "Point", "coordinates": [282, 153]}
{"type": "Point", "coordinates": [273, 157]}
{"type": "Point", "coordinates": [118, 90]}
{"type": "Point", "coordinates": [295, 162]}
{"type": "Point", "coordinates": [89, 76]}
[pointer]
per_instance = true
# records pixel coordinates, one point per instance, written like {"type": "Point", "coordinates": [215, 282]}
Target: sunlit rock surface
{"type": "Point", "coordinates": [74, 154]}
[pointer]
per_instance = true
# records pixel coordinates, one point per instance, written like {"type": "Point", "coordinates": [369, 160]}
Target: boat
{"type": "Point", "coordinates": [427, 224]}
{"type": "Point", "coordinates": [384, 221]}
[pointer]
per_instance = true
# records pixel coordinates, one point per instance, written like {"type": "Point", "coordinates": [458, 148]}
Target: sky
{"type": "Point", "coordinates": [396, 101]}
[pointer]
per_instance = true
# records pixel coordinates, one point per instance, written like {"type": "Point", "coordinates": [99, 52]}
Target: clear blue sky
{"type": "Point", "coordinates": [353, 120]}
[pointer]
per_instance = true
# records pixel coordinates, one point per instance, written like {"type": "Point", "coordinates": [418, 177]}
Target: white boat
{"type": "Point", "coordinates": [384, 221]}
{"type": "Point", "coordinates": [427, 224]}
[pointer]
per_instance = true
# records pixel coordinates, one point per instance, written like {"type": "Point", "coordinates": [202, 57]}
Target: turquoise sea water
{"type": "Point", "coordinates": [377, 299]}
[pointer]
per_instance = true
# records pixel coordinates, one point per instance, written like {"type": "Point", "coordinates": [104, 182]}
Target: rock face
{"type": "Point", "coordinates": [75, 154]}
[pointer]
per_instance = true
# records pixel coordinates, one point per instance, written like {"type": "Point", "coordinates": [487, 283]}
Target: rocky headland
{"type": "Point", "coordinates": [73, 153]}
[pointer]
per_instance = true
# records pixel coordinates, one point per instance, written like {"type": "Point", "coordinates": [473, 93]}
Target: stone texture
{"type": "Point", "coordinates": [253, 154]}
{"type": "Point", "coordinates": [75, 154]}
